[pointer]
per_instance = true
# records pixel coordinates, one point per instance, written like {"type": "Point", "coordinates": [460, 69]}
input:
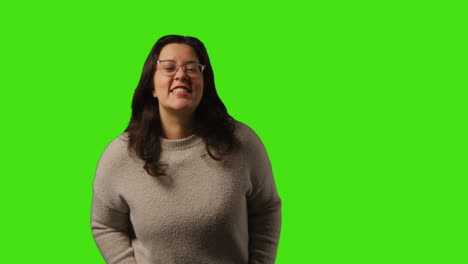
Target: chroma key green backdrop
{"type": "Point", "coordinates": [360, 104]}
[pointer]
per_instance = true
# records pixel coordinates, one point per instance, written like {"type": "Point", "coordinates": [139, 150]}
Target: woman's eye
{"type": "Point", "coordinates": [169, 69]}
{"type": "Point", "coordinates": [192, 68]}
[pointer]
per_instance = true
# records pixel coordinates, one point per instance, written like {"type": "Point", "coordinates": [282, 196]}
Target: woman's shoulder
{"type": "Point", "coordinates": [246, 135]}
{"type": "Point", "coordinates": [118, 144]}
{"type": "Point", "coordinates": [114, 159]}
{"type": "Point", "coordinates": [115, 152]}
{"type": "Point", "coordinates": [242, 128]}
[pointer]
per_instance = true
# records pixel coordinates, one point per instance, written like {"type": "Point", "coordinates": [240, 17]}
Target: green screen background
{"type": "Point", "coordinates": [361, 106]}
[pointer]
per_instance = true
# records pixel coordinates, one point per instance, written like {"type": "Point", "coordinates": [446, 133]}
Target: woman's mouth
{"type": "Point", "coordinates": [181, 90]}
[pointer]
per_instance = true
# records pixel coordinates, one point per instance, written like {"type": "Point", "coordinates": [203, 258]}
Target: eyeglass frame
{"type": "Point", "coordinates": [183, 67]}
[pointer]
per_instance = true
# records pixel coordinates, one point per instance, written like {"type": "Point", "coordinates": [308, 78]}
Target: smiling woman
{"type": "Point", "coordinates": [185, 182]}
{"type": "Point", "coordinates": [178, 91]}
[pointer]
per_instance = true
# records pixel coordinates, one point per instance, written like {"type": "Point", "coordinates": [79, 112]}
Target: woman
{"type": "Point", "coordinates": [185, 183]}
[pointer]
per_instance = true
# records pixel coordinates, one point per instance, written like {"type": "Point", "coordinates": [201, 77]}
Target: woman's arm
{"type": "Point", "coordinates": [110, 222]}
{"type": "Point", "coordinates": [111, 231]}
{"type": "Point", "coordinates": [264, 208]}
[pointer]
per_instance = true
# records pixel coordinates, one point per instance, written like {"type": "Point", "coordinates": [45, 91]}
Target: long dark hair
{"type": "Point", "coordinates": [213, 123]}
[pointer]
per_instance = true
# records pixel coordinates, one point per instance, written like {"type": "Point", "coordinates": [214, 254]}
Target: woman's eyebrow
{"type": "Point", "coordinates": [191, 61]}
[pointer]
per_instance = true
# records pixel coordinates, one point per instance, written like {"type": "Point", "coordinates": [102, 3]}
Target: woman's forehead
{"type": "Point", "coordinates": [178, 52]}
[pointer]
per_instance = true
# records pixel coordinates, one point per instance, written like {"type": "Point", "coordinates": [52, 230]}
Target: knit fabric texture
{"type": "Point", "coordinates": [203, 211]}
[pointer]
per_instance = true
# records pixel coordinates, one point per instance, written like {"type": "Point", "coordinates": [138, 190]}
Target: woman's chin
{"type": "Point", "coordinates": [182, 107]}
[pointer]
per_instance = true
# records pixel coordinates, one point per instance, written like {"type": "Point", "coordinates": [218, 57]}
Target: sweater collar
{"type": "Point", "coordinates": [180, 144]}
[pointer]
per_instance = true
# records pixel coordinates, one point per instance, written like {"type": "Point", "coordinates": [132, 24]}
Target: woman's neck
{"type": "Point", "coordinates": [177, 126]}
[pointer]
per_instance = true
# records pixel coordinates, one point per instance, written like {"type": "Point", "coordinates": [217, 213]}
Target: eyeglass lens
{"type": "Point", "coordinates": [169, 68]}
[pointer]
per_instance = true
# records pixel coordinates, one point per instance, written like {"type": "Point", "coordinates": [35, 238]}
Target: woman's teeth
{"type": "Point", "coordinates": [180, 90]}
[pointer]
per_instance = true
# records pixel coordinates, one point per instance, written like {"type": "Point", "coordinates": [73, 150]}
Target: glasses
{"type": "Point", "coordinates": [169, 68]}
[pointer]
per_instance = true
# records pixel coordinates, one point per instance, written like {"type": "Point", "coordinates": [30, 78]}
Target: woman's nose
{"type": "Point", "coordinates": [180, 74]}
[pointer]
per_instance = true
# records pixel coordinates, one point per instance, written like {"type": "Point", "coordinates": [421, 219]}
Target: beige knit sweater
{"type": "Point", "coordinates": [204, 211]}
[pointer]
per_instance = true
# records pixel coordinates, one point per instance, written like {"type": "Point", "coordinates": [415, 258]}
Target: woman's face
{"type": "Point", "coordinates": [167, 90]}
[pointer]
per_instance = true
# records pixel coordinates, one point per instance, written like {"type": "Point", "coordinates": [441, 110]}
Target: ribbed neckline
{"type": "Point", "coordinates": [179, 144]}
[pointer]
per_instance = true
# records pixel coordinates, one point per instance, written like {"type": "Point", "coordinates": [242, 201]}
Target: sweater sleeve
{"type": "Point", "coordinates": [110, 221]}
{"type": "Point", "coordinates": [264, 207]}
